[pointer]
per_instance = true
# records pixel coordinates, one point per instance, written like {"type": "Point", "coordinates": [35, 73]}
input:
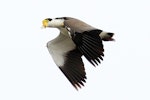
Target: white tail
{"type": "Point", "coordinates": [106, 36]}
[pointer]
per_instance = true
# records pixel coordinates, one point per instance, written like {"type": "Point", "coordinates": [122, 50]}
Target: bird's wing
{"type": "Point", "coordinates": [68, 59]}
{"type": "Point", "coordinates": [87, 40]}
{"type": "Point", "coordinates": [73, 69]}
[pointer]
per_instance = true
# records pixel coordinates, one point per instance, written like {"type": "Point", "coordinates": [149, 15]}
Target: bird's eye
{"type": "Point", "coordinates": [49, 19]}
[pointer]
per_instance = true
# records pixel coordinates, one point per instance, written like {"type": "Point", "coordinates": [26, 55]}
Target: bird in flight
{"type": "Point", "coordinates": [76, 39]}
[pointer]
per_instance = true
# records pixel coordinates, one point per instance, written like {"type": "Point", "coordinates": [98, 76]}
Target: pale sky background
{"type": "Point", "coordinates": [27, 71]}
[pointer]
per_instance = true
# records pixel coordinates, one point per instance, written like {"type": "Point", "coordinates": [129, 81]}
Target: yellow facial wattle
{"type": "Point", "coordinates": [45, 22]}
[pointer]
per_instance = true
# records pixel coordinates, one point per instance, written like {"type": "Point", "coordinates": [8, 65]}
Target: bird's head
{"type": "Point", "coordinates": [54, 23]}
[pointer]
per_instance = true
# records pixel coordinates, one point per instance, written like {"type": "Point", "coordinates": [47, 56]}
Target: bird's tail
{"type": "Point", "coordinates": [106, 36]}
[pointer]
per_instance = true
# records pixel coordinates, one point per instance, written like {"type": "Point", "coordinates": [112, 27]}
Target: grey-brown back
{"type": "Point", "coordinates": [77, 25]}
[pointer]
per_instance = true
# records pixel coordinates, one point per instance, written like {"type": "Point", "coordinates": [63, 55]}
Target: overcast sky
{"type": "Point", "coordinates": [27, 71]}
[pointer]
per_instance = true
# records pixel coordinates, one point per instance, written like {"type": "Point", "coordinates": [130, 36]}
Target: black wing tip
{"type": "Point", "coordinates": [78, 85]}
{"type": "Point", "coordinates": [77, 80]}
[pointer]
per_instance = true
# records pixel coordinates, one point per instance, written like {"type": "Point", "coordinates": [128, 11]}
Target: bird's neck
{"type": "Point", "coordinates": [64, 31]}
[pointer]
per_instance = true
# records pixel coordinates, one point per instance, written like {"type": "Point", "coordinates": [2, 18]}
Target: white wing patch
{"type": "Point", "coordinates": [69, 31]}
{"type": "Point", "coordinates": [59, 47]}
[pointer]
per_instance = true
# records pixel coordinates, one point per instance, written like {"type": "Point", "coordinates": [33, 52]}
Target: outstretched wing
{"type": "Point", "coordinates": [90, 45]}
{"type": "Point", "coordinates": [87, 40]}
{"type": "Point", "coordinates": [73, 69]}
{"type": "Point", "coordinates": [68, 58]}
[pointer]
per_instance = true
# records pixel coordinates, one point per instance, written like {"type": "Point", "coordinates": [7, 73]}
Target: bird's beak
{"type": "Point", "coordinates": [45, 23]}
